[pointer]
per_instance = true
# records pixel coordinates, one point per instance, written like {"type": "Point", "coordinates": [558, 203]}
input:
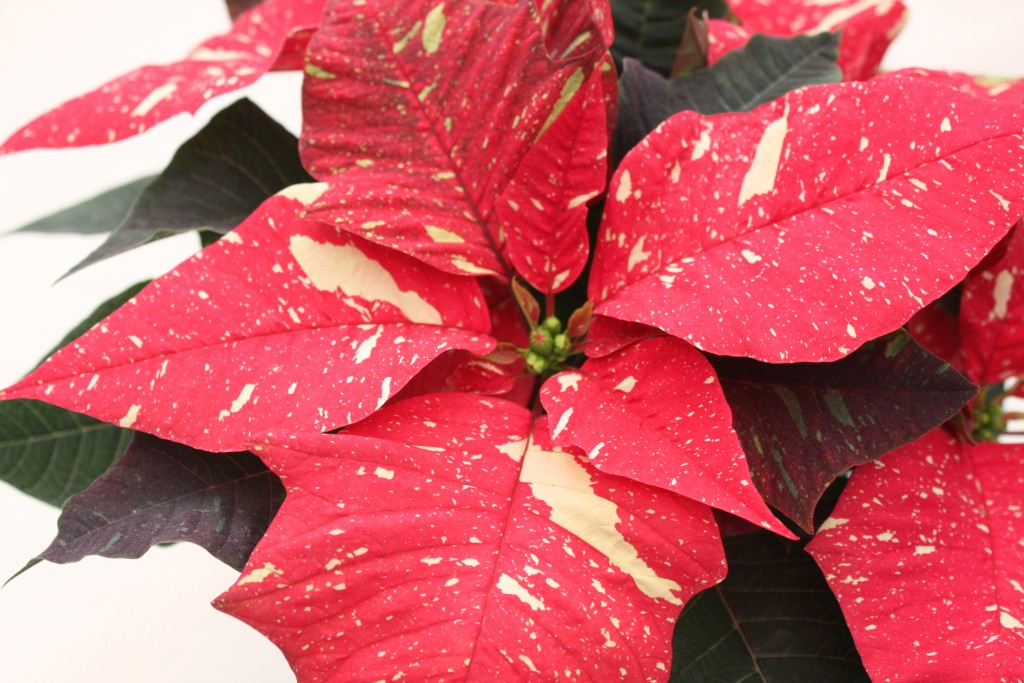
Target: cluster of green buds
{"type": "Point", "coordinates": [551, 344]}
{"type": "Point", "coordinates": [549, 348]}
{"type": "Point", "coordinates": [988, 421]}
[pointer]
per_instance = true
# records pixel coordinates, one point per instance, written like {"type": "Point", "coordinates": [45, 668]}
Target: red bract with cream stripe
{"type": "Point", "coordinates": [923, 553]}
{"type": "Point", "coordinates": [443, 539]}
{"type": "Point", "coordinates": [265, 330]}
{"type": "Point", "coordinates": [270, 34]}
{"type": "Point", "coordinates": [715, 226]}
{"type": "Point", "coordinates": [628, 403]}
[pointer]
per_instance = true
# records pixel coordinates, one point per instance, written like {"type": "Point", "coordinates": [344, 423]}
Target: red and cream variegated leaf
{"type": "Point", "coordinates": [938, 525]}
{"type": "Point", "coordinates": [868, 26]}
{"type": "Point", "coordinates": [433, 541]}
{"type": "Point", "coordinates": [543, 210]}
{"type": "Point", "coordinates": [799, 230]}
{"type": "Point", "coordinates": [272, 34]}
{"type": "Point", "coordinates": [283, 323]}
{"type": "Point", "coordinates": [992, 316]}
{"type": "Point", "coordinates": [654, 412]}
{"type": "Point", "coordinates": [419, 119]}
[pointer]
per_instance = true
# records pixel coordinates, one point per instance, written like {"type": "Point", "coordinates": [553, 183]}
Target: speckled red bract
{"type": "Point", "coordinates": [272, 34]}
{"type": "Point", "coordinates": [419, 120]}
{"type": "Point", "coordinates": [655, 412]}
{"type": "Point", "coordinates": [923, 552]}
{"type": "Point", "coordinates": [267, 328]}
{"type": "Point", "coordinates": [435, 542]}
{"type": "Point", "coordinates": [800, 230]}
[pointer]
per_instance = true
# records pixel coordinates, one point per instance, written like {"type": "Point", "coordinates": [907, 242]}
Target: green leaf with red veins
{"type": "Point", "coordinates": [283, 323]}
{"type": "Point", "coordinates": [804, 424]}
{"type": "Point", "coordinates": [543, 210]}
{"type": "Point", "coordinates": [163, 492]}
{"type": "Point", "coordinates": [407, 117]}
{"type": "Point", "coordinates": [261, 39]}
{"type": "Point", "coordinates": [868, 26]}
{"type": "Point", "coordinates": [992, 317]}
{"type": "Point", "coordinates": [435, 541]}
{"type": "Point", "coordinates": [938, 524]}
{"type": "Point", "coordinates": [799, 230]}
{"type": "Point", "coordinates": [655, 412]}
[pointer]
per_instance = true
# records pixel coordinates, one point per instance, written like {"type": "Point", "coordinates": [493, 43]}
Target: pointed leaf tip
{"type": "Point", "coordinates": [832, 227]}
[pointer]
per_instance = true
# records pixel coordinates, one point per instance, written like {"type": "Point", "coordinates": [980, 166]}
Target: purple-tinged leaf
{"type": "Point", "coordinates": [163, 492]}
{"type": "Point", "coordinates": [437, 540]}
{"type": "Point", "coordinates": [804, 424]}
{"type": "Point", "coordinates": [654, 412]}
{"type": "Point", "coordinates": [923, 552]}
{"type": "Point", "coordinates": [139, 100]}
{"type": "Point", "coordinates": [799, 230]}
{"type": "Point", "coordinates": [283, 323]}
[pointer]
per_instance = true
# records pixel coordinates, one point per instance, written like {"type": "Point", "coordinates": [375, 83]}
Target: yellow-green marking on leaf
{"type": "Point", "coordinates": [441, 235]}
{"type": "Point", "coordinates": [402, 42]}
{"type": "Point", "coordinates": [569, 90]}
{"type": "Point", "coordinates": [316, 72]}
{"type": "Point", "coordinates": [837, 406]}
{"type": "Point", "coordinates": [433, 28]}
{"type": "Point", "coordinates": [793, 405]}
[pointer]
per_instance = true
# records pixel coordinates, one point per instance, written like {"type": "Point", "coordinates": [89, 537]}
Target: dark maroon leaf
{"type": "Point", "coordinates": [215, 180]}
{"type": "Point", "coordinates": [160, 492]}
{"type": "Point", "coordinates": [236, 7]}
{"type": "Point", "coordinates": [773, 619]}
{"type": "Point", "coordinates": [804, 424]}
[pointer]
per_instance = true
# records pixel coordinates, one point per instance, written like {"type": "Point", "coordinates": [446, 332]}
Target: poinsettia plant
{"type": "Point", "coordinates": [548, 348]}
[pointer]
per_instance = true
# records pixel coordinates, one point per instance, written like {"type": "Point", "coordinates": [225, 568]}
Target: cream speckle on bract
{"type": "Point", "coordinates": [332, 267]}
{"type": "Point", "coordinates": [433, 28]}
{"type": "Point", "coordinates": [559, 480]}
{"type": "Point", "coordinates": [760, 178]}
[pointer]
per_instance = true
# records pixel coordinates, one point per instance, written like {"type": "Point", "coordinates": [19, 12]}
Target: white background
{"type": "Point", "coordinates": [117, 621]}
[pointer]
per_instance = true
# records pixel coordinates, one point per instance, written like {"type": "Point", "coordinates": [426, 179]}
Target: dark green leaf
{"type": "Point", "coordinates": [804, 424]}
{"type": "Point", "coordinates": [764, 69]}
{"type": "Point", "coordinates": [651, 31]}
{"type": "Point", "coordinates": [773, 619]}
{"type": "Point", "coordinates": [161, 492]}
{"type": "Point", "coordinates": [51, 453]}
{"type": "Point", "coordinates": [215, 180]}
{"type": "Point", "coordinates": [100, 214]}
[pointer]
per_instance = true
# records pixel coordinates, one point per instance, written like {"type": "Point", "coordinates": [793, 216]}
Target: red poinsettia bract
{"type": "Point", "coordinates": [458, 148]}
